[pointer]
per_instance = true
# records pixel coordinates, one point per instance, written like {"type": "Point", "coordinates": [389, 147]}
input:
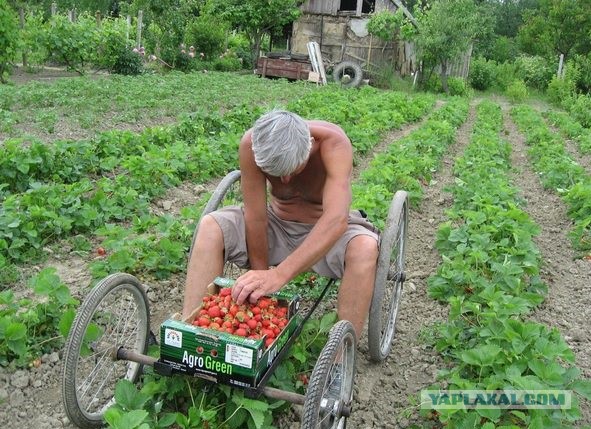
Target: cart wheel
{"type": "Point", "coordinates": [226, 193]}
{"type": "Point", "coordinates": [389, 279]}
{"type": "Point", "coordinates": [327, 405]}
{"type": "Point", "coordinates": [115, 314]}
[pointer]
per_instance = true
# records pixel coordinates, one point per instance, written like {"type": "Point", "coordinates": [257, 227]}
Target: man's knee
{"type": "Point", "coordinates": [209, 231]}
{"type": "Point", "coordinates": [362, 249]}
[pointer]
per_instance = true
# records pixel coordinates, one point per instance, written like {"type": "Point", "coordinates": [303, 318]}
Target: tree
{"type": "Point", "coordinates": [9, 36]}
{"type": "Point", "coordinates": [557, 27]}
{"type": "Point", "coordinates": [445, 31]}
{"type": "Point", "coordinates": [256, 17]}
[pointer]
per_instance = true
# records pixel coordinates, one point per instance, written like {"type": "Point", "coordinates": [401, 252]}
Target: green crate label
{"type": "Point", "coordinates": [240, 356]}
{"type": "Point", "coordinates": [207, 362]}
{"type": "Point", "coordinates": [173, 338]}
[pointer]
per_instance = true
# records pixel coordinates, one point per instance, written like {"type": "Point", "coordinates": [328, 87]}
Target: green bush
{"type": "Point", "coordinates": [482, 74]}
{"type": "Point", "coordinates": [9, 38]}
{"type": "Point", "coordinates": [110, 44]}
{"type": "Point", "coordinates": [207, 35]}
{"type": "Point", "coordinates": [240, 44]}
{"type": "Point", "coordinates": [228, 61]}
{"type": "Point", "coordinates": [504, 75]}
{"type": "Point", "coordinates": [184, 62]}
{"type": "Point", "coordinates": [534, 71]}
{"type": "Point", "coordinates": [580, 110]}
{"type": "Point", "coordinates": [504, 49]}
{"type": "Point", "coordinates": [433, 84]}
{"type": "Point", "coordinates": [457, 86]}
{"type": "Point", "coordinates": [71, 43]}
{"type": "Point", "coordinates": [127, 62]}
{"type": "Point", "coordinates": [33, 36]}
{"type": "Point", "coordinates": [517, 91]}
{"type": "Point", "coordinates": [561, 91]}
{"type": "Point", "coordinates": [583, 78]}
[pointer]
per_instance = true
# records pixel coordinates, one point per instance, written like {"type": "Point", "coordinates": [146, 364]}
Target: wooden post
{"type": "Point", "coordinates": [140, 17]}
{"type": "Point", "coordinates": [97, 15]}
{"type": "Point", "coordinates": [369, 49]}
{"type": "Point", "coordinates": [560, 65]}
{"type": "Point", "coordinates": [127, 27]}
{"type": "Point", "coordinates": [21, 17]}
{"type": "Point", "coordinates": [53, 9]}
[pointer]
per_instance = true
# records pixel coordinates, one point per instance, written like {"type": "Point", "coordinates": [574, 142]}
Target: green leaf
{"type": "Point", "coordinates": [132, 419]}
{"type": "Point", "coordinates": [128, 397]}
{"type": "Point", "coordinates": [258, 418]}
{"type": "Point", "coordinates": [481, 356]}
{"type": "Point", "coordinates": [167, 420]}
{"type": "Point", "coordinates": [583, 388]}
{"type": "Point", "coordinates": [66, 321]}
{"type": "Point", "coordinates": [327, 321]}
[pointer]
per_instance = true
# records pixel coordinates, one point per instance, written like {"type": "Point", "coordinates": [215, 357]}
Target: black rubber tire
{"type": "Point", "coordinates": [229, 187]}
{"type": "Point", "coordinates": [115, 314]}
{"type": "Point", "coordinates": [389, 279]}
{"type": "Point", "coordinates": [350, 68]}
{"type": "Point", "coordinates": [323, 408]}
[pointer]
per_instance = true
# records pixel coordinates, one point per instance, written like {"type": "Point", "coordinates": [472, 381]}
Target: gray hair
{"type": "Point", "coordinates": [281, 142]}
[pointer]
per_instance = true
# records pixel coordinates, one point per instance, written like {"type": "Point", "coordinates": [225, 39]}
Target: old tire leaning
{"type": "Point", "coordinates": [350, 69]}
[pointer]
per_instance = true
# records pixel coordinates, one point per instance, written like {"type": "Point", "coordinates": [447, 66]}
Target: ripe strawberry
{"type": "Point", "coordinates": [214, 311]}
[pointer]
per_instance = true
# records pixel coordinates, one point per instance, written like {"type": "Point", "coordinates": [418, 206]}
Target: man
{"type": "Point", "coordinates": [306, 225]}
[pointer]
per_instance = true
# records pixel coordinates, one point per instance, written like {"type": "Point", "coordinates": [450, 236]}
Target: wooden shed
{"type": "Point", "coordinates": [340, 28]}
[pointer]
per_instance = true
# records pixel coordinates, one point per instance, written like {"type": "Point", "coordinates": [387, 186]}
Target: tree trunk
{"type": "Point", "coordinates": [256, 48]}
{"type": "Point", "coordinates": [444, 77]}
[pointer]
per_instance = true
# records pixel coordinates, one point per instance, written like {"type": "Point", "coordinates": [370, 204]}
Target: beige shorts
{"type": "Point", "coordinates": [285, 236]}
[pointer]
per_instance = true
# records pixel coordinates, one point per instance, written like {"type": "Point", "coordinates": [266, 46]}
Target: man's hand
{"type": "Point", "coordinates": [255, 284]}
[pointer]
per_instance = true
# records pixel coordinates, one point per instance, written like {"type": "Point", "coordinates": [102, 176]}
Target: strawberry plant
{"type": "Point", "coordinates": [490, 277]}
{"type": "Point", "coordinates": [558, 171]}
{"type": "Point", "coordinates": [28, 327]}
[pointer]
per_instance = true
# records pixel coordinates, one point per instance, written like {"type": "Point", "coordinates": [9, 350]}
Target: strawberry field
{"type": "Point", "coordinates": [109, 174]}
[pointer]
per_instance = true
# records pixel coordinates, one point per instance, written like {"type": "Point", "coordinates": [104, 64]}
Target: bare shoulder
{"type": "Point", "coordinates": [320, 129]}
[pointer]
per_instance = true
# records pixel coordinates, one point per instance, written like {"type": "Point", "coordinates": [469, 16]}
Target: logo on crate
{"type": "Point", "coordinates": [173, 338]}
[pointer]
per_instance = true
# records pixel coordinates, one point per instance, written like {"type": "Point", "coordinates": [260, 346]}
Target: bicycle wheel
{"type": "Point", "coordinates": [115, 314]}
{"type": "Point", "coordinates": [389, 279]}
{"type": "Point", "coordinates": [226, 193]}
{"type": "Point", "coordinates": [330, 391]}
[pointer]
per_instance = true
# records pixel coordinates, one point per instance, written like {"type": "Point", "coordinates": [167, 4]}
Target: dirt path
{"type": "Point", "coordinates": [568, 304]}
{"type": "Point", "coordinates": [384, 391]}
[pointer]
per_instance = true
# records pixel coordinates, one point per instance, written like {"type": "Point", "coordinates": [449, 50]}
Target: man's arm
{"type": "Point", "coordinates": [254, 191]}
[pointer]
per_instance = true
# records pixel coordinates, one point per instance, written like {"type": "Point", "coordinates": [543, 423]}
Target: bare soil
{"type": "Point", "coordinates": [384, 393]}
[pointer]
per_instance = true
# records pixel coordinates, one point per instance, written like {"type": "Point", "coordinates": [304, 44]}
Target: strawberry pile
{"type": "Point", "coordinates": [265, 319]}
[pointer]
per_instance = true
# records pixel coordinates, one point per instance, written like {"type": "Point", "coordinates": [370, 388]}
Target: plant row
{"type": "Point", "coordinates": [490, 277]}
{"type": "Point", "coordinates": [558, 171]}
{"type": "Point", "coordinates": [87, 104]}
{"type": "Point", "coordinates": [409, 162]}
{"type": "Point", "coordinates": [572, 129]}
